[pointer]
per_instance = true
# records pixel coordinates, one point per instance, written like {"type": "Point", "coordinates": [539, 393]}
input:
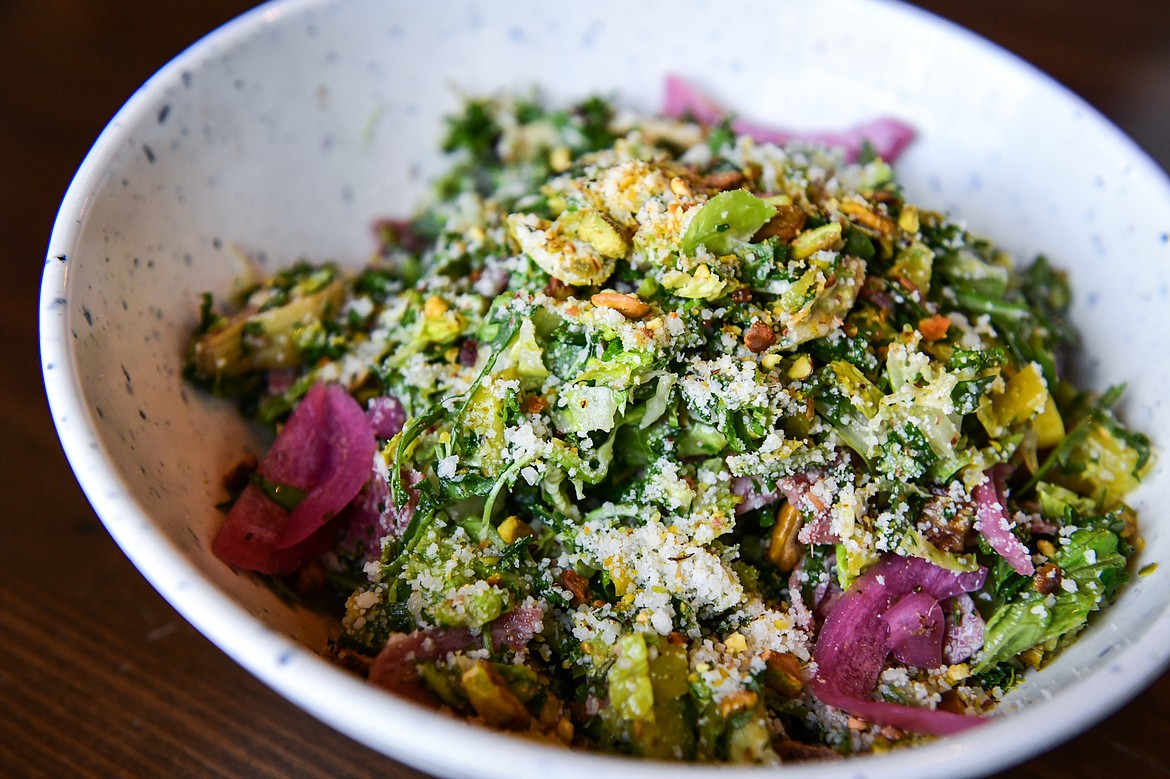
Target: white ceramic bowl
{"type": "Point", "coordinates": [290, 129]}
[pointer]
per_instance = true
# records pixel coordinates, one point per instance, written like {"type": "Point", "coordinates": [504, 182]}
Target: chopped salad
{"type": "Point", "coordinates": [654, 436]}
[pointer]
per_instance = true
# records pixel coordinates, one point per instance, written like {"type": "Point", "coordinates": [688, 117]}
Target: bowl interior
{"type": "Point", "coordinates": [285, 134]}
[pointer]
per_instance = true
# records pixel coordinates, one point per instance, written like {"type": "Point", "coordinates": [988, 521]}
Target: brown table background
{"type": "Point", "coordinates": [98, 675]}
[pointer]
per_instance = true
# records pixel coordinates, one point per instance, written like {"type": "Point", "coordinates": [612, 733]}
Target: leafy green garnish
{"type": "Point", "coordinates": [1091, 570]}
{"type": "Point", "coordinates": [286, 496]}
{"type": "Point", "coordinates": [726, 221]}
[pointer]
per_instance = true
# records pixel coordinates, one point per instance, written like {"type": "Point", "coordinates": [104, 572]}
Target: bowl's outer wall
{"type": "Point", "coordinates": [286, 134]}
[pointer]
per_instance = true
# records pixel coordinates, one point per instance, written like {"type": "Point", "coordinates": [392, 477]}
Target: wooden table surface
{"type": "Point", "coordinates": [98, 675]}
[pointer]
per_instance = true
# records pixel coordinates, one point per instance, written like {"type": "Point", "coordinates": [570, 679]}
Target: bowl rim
{"type": "Point", "coordinates": [333, 695]}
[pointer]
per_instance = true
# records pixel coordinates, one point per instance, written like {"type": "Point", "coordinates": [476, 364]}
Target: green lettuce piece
{"type": "Point", "coordinates": [829, 306]}
{"type": "Point", "coordinates": [648, 711]}
{"type": "Point", "coordinates": [585, 409]}
{"type": "Point", "coordinates": [735, 737]}
{"type": "Point", "coordinates": [631, 693]}
{"type": "Point", "coordinates": [526, 353]}
{"type": "Point", "coordinates": [669, 670]}
{"type": "Point", "coordinates": [1098, 457]}
{"type": "Point", "coordinates": [669, 736]}
{"type": "Point", "coordinates": [802, 292]}
{"type": "Point", "coordinates": [440, 682]}
{"type": "Point", "coordinates": [1108, 464]}
{"type": "Point", "coordinates": [659, 404]}
{"type": "Point", "coordinates": [976, 370]}
{"type": "Point", "coordinates": [915, 263]}
{"type": "Point", "coordinates": [438, 327]}
{"type": "Point", "coordinates": [905, 454]}
{"type": "Point", "coordinates": [972, 274]}
{"type": "Point", "coordinates": [700, 439]}
{"type": "Point", "coordinates": [471, 606]}
{"type": "Point", "coordinates": [749, 740]}
{"type": "Point", "coordinates": [875, 173]}
{"type": "Point", "coordinates": [847, 400]}
{"type": "Point", "coordinates": [726, 221]}
{"type": "Point", "coordinates": [916, 545]}
{"type": "Point", "coordinates": [624, 370]}
{"type": "Point", "coordinates": [639, 446]}
{"type": "Point", "coordinates": [1091, 561]}
{"type": "Point", "coordinates": [570, 459]}
{"type": "Point", "coordinates": [565, 356]}
{"type": "Point", "coordinates": [1055, 501]}
{"type": "Point", "coordinates": [764, 266]}
{"type": "Point", "coordinates": [460, 601]}
{"type": "Point", "coordinates": [852, 559]}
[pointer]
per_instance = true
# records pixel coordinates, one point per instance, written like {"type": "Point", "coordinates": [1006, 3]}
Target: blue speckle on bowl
{"type": "Point", "coordinates": [589, 39]}
{"type": "Point", "coordinates": [1098, 245]}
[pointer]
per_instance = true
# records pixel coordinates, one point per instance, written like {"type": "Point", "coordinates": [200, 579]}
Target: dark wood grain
{"type": "Point", "coordinates": [99, 677]}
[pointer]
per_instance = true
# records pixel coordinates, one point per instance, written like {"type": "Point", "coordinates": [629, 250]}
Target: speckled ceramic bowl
{"type": "Point", "coordinates": [289, 130]}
